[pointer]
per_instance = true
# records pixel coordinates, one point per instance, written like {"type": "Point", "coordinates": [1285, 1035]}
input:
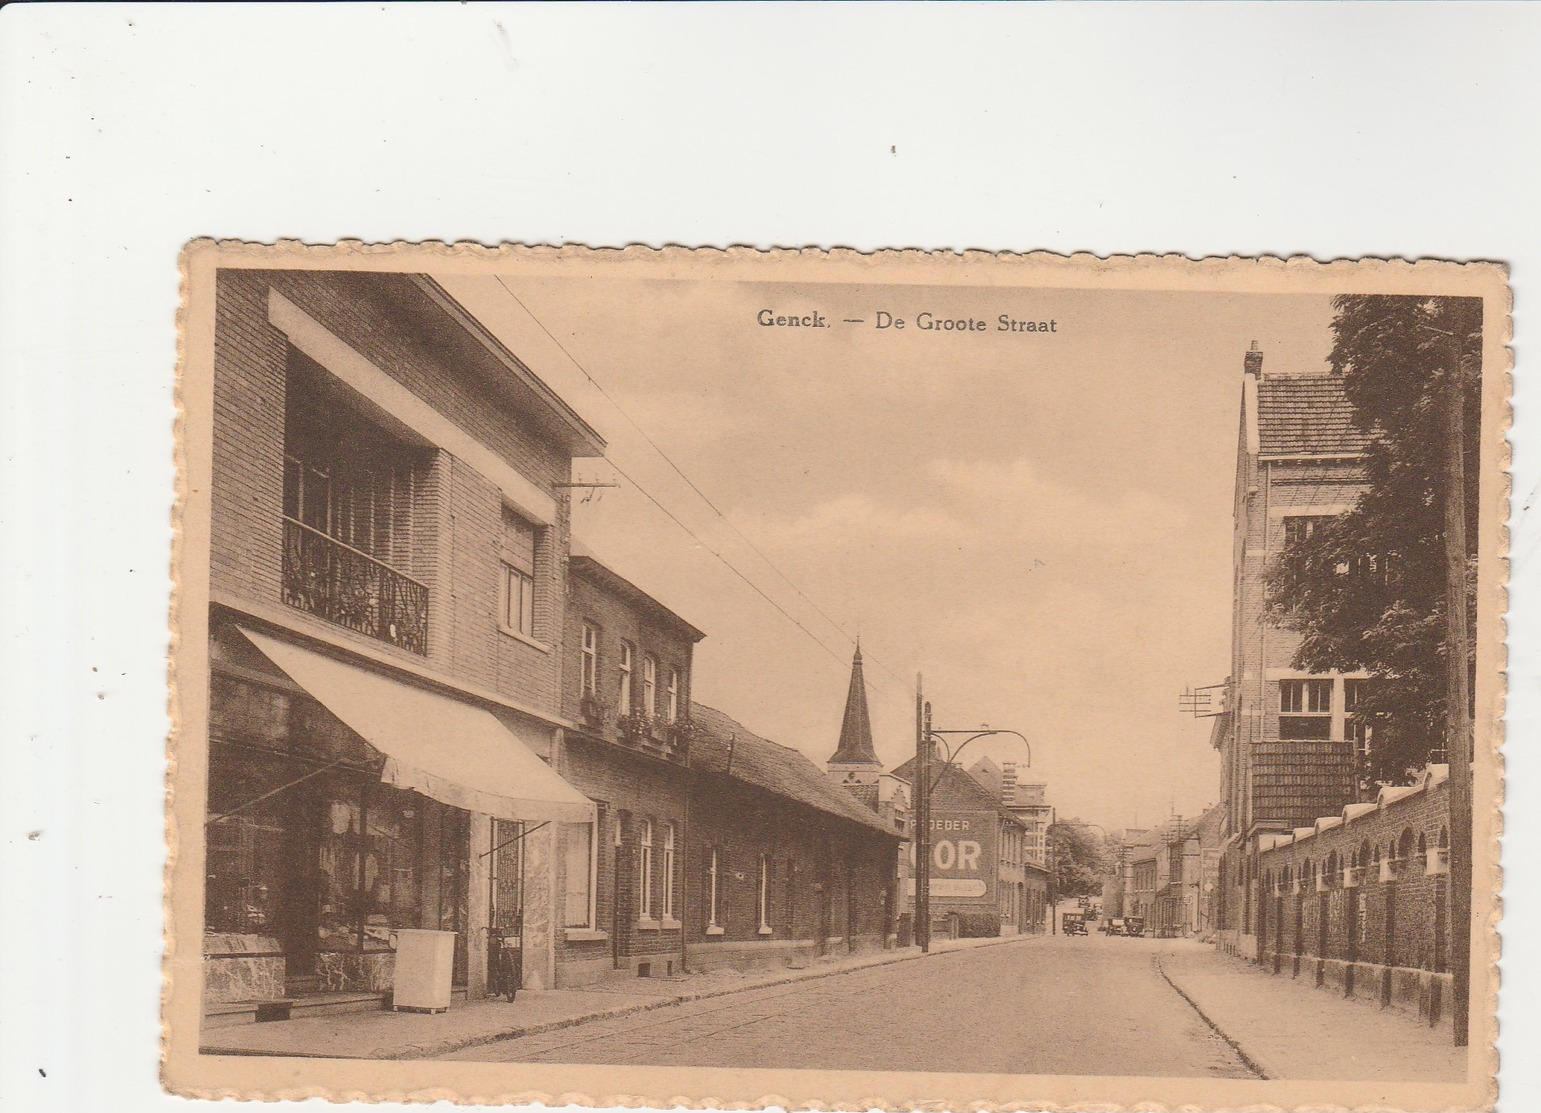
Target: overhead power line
{"type": "Point", "coordinates": [584, 371]}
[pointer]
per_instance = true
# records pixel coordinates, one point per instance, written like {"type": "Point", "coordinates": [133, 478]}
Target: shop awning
{"type": "Point", "coordinates": [443, 748]}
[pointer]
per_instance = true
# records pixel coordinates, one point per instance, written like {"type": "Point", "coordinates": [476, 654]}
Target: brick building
{"type": "Point", "coordinates": [1188, 855]}
{"type": "Point", "coordinates": [1286, 738]}
{"type": "Point", "coordinates": [387, 565]}
{"type": "Point", "coordinates": [1359, 901]}
{"type": "Point", "coordinates": [983, 880]}
{"type": "Point", "coordinates": [781, 862]}
{"type": "Point", "coordinates": [1027, 800]}
{"type": "Point", "coordinates": [627, 687]}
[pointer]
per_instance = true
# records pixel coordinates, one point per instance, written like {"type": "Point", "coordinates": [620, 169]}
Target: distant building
{"type": "Point", "coordinates": [1027, 800]}
{"type": "Point", "coordinates": [981, 876]}
{"type": "Point", "coordinates": [1286, 738]}
{"type": "Point", "coordinates": [1184, 847]}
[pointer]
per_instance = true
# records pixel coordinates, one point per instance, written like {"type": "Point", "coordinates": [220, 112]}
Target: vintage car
{"type": "Point", "coordinates": [1073, 923]}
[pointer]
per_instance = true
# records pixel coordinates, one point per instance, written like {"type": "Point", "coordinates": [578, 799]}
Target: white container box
{"type": "Point", "coordinates": [425, 962]}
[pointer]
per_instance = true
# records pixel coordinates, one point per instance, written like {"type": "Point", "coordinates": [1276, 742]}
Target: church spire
{"type": "Point", "coordinates": [855, 747]}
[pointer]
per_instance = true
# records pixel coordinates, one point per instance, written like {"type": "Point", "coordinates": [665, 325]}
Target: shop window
{"type": "Point", "coordinates": [246, 865]}
{"type": "Point", "coordinates": [1305, 709]}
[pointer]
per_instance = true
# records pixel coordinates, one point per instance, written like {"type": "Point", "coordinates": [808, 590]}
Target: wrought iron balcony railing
{"type": "Point", "coordinates": [353, 589]}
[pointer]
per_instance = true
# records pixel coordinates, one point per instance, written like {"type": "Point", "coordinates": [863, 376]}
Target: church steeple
{"type": "Point", "coordinates": [855, 761]}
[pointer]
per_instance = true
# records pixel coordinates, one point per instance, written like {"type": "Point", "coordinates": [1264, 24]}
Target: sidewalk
{"type": "Point", "coordinates": [393, 1035]}
{"type": "Point", "coordinates": [1291, 1029]}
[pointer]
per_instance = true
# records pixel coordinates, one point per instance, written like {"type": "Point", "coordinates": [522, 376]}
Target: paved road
{"type": "Point", "coordinates": [1094, 1005]}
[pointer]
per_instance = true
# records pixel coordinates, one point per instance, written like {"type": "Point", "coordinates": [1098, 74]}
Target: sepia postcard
{"type": "Point", "coordinates": [737, 678]}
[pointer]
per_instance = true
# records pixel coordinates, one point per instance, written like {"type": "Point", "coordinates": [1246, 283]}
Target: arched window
{"type": "Point", "coordinates": [1405, 844]}
{"type": "Point", "coordinates": [1333, 873]}
{"type": "Point", "coordinates": [1444, 838]}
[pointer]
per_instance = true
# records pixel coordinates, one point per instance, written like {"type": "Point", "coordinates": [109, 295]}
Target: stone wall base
{"type": "Point", "coordinates": [1422, 994]}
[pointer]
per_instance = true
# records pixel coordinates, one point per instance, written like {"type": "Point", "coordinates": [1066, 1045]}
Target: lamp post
{"type": "Point", "coordinates": [925, 782]}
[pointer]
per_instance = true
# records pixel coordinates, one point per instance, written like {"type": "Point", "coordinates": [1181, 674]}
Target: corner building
{"type": "Point", "coordinates": [1287, 738]}
{"type": "Point", "coordinates": [387, 568]}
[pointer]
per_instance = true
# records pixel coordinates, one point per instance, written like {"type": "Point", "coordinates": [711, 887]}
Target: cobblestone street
{"type": "Point", "coordinates": [1040, 1006]}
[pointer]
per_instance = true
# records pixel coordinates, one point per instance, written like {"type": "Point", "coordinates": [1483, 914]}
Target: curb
{"type": "Point", "coordinates": [460, 1044]}
{"type": "Point", "coordinates": [1251, 1063]}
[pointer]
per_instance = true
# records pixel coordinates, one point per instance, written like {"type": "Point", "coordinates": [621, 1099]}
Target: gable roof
{"type": "Point", "coordinates": [774, 768]}
{"type": "Point", "coordinates": [1306, 415]}
{"type": "Point", "coordinates": [966, 789]}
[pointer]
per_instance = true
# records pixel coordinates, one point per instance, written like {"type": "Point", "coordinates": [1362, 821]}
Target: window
{"type": "Point", "coordinates": [668, 872]}
{"type": "Point", "coordinates": [350, 494]}
{"type": "Point", "coordinates": [518, 601]}
{"type": "Point", "coordinates": [590, 660]}
{"type": "Point", "coordinates": [645, 871]}
{"type": "Point", "coordinates": [763, 901]}
{"type": "Point", "coordinates": [520, 539]}
{"type": "Point", "coordinates": [1301, 527]}
{"type": "Point", "coordinates": [1305, 709]}
{"type": "Point", "coordinates": [649, 686]}
{"type": "Point", "coordinates": [623, 700]}
{"type": "Point", "coordinates": [1359, 728]}
{"type": "Point", "coordinates": [674, 695]}
{"type": "Point", "coordinates": [578, 855]}
{"type": "Point", "coordinates": [714, 892]}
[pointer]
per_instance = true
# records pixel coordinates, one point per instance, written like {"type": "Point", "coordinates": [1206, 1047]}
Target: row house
{"type": "Point", "coordinates": [388, 534]}
{"type": "Point", "coordinates": [713, 846]}
{"type": "Point", "coordinates": [1287, 739]}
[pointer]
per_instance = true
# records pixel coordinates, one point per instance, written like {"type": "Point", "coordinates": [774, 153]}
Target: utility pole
{"type": "Point", "coordinates": [922, 820]}
{"type": "Point", "coordinates": [1458, 736]}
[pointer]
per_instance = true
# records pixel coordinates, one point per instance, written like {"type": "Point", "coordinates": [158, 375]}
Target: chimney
{"type": "Point", "coordinates": [1254, 363]}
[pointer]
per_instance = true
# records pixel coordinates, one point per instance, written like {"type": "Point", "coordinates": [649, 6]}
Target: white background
{"type": "Point", "coordinates": [1332, 131]}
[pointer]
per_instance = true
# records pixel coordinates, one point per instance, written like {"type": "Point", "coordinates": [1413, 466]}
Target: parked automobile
{"type": "Point", "coordinates": [1134, 926]}
{"type": "Point", "coordinates": [1073, 923]}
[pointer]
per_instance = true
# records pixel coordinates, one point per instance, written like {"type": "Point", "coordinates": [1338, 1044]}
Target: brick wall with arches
{"type": "Point", "coordinates": [1359, 901]}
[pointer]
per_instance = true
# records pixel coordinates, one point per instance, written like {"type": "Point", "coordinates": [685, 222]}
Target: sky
{"type": "Point", "coordinates": [1038, 523]}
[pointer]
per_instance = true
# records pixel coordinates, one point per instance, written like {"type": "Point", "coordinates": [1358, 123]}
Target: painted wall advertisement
{"type": "Point", "coordinates": [962, 855]}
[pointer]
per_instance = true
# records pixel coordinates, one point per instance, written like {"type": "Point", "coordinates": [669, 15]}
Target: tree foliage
{"type": "Point", "coordinates": [1080, 859]}
{"type": "Point", "coordinates": [1366, 590]}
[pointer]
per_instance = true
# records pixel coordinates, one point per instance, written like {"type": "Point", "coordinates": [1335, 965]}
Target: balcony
{"type": "Point", "coordinates": [343, 585]}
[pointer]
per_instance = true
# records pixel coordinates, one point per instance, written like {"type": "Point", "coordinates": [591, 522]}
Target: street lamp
{"type": "Point", "coordinates": [925, 782]}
